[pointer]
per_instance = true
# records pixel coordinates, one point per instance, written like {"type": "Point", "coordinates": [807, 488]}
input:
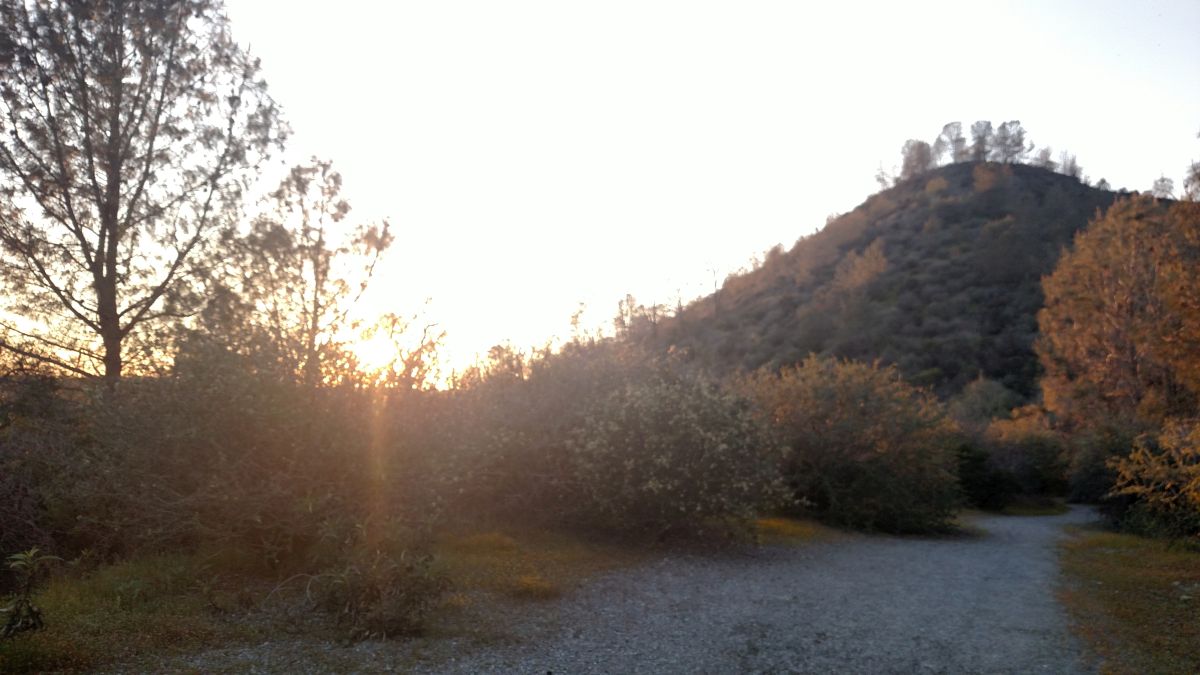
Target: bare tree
{"type": "Point", "coordinates": [1045, 159]}
{"type": "Point", "coordinates": [1164, 188]}
{"type": "Point", "coordinates": [1069, 165]}
{"type": "Point", "coordinates": [130, 130]}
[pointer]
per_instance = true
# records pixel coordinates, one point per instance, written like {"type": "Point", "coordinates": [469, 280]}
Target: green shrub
{"type": "Point", "coordinates": [668, 453]}
{"type": "Point", "coordinates": [867, 450]}
{"type": "Point", "coordinates": [983, 485]}
{"type": "Point", "coordinates": [377, 594]}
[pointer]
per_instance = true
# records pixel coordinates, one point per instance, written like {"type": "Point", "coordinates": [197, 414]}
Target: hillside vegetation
{"type": "Point", "coordinates": [939, 275]}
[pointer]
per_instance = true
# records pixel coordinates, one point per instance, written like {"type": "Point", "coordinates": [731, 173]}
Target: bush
{"type": "Point", "coordinates": [603, 435]}
{"type": "Point", "coordinates": [1025, 448]}
{"type": "Point", "coordinates": [668, 453]}
{"type": "Point", "coordinates": [867, 450]}
{"type": "Point", "coordinates": [376, 595]}
{"type": "Point", "coordinates": [983, 485]}
{"type": "Point", "coordinates": [1163, 475]}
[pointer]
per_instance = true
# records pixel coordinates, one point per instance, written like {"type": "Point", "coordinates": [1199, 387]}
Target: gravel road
{"type": "Point", "coordinates": [854, 604]}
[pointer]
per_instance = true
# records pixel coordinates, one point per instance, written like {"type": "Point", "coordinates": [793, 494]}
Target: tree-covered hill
{"type": "Point", "coordinates": [939, 274]}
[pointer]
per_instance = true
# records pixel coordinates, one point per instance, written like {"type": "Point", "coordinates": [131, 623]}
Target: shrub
{"type": "Point", "coordinates": [983, 485]}
{"type": "Point", "coordinates": [1024, 447]}
{"type": "Point", "coordinates": [1163, 475]}
{"type": "Point", "coordinates": [374, 594]}
{"type": "Point", "coordinates": [671, 452]}
{"type": "Point", "coordinates": [867, 449]}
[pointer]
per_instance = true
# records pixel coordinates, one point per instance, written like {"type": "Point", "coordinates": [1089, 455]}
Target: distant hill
{"type": "Point", "coordinates": [940, 275]}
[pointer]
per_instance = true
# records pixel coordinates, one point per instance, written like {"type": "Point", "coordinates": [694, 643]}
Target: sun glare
{"type": "Point", "coordinates": [374, 354]}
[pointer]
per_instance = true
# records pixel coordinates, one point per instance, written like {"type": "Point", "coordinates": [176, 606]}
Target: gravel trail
{"type": "Point", "coordinates": [858, 604]}
{"type": "Point", "coordinates": [855, 604]}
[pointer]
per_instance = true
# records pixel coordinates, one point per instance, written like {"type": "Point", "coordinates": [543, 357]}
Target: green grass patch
{"type": "Point", "coordinates": [154, 604]}
{"type": "Point", "coordinates": [1135, 600]}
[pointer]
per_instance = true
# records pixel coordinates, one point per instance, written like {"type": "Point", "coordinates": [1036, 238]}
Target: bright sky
{"type": "Point", "coordinates": [532, 156]}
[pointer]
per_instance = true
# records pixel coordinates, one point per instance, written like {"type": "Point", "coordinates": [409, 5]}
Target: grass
{"type": "Point", "coordinates": [526, 565]}
{"type": "Point", "coordinates": [1135, 600]}
{"type": "Point", "coordinates": [175, 604]}
{"type": "Point", "coordinates": [784, 530]}
{"type": "Point", "coordinates": [159, 603]}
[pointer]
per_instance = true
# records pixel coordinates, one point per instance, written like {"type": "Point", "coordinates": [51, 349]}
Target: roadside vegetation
{"type": "Point", "coordinates": [193, 453]}
{"type": "Point", "coordinates": [1134, 600]}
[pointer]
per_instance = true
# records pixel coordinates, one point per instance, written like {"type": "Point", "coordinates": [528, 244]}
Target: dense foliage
{"type": "Point", "coordinates": [603, 435]}
{"type": "Point", "coordinates": [1121, 348]}
{"type": "Point", "coordinates": [867, 449]}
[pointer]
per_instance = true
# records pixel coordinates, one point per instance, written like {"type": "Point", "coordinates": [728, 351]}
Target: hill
{"type": "Point", "coordinates": [940, 275]}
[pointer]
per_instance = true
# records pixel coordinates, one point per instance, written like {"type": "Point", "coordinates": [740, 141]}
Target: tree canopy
{"type": "Point", "coordinates": [129, 131]}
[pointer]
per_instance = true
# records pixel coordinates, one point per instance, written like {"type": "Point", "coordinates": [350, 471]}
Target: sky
{"type": "Point", "coordinates": [533, 157]}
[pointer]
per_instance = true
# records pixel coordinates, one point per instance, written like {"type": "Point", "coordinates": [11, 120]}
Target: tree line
{"type": "Point", "coordinates": [1006, 143]}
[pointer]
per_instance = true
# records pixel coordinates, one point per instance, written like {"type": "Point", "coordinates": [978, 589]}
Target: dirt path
{"type": "Point", "coordinates": [857, 604]}
{"type": "Point", "coordinates": [860, 604]}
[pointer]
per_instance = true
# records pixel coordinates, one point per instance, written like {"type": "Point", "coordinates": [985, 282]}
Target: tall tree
{"type": "Point", "coordinates": [130, 129]}
{"type": "Point", "coordinates": [981, 140]}
{"type": "Point", "coordinates": [1069, 165]}
{"type": "Point", "coordinates": [288, 285]}
{"type": "Point", "coordinates": [953, 142]}
{"type": "Point", "coordinates": [916, 159]}
{"type": "Point", "coordinates": [1164, 188]}
{"type": "Point", "coordinates": [1009, 142]}
{"type": "Point", "coordinates": [1120, 331]}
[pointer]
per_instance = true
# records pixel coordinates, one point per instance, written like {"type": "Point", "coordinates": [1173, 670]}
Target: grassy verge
{"type": "Point", "coordinates": [153, 604]}
{"type": "Point", "coordinates": [1136, 601]}
{"type": "Point", "coordinates": [174, 604]}
{"type": "Point", "coordinates": [163, 605]}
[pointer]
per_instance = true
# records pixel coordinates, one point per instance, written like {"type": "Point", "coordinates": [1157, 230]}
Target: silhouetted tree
{"type": "Point", "coordinates": [128, 132]}
{"type": "Point", "coordinates": [981, 140]}
{"type": "Point", "coordinates": [293, 278]}
{"type": "Point", "coordinates": [1164, 188]}
{"type": "Point", "coordinates": [916, 159]}
{"type": "Point", "coordinates": [951, 143]}
{"type": "Point", "coordinates": [1045, 159]}
{"type": "Point", "coordinates": [1008, 144]}
{"type": "Point", "coordinates": [1069, 165]}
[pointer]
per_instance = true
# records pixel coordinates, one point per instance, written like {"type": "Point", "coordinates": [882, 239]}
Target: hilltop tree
{"type": "Point", "coordinates": [1164, 188]}
{"type": "Point", "coordinates": [1045, 159]}
{"type": "Point", "coordinates": [128, 132]}
{"type": "Point", "coordinates": [954, 142]}
{"type": "Point", "coordinates": [1069, 165]}
{"type": "Point", "coordinates": [981, 140]}
{"type": "Point", "coordinates": [1008, 144]}
{"type": "Point", "coordinates": [917, 158]}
